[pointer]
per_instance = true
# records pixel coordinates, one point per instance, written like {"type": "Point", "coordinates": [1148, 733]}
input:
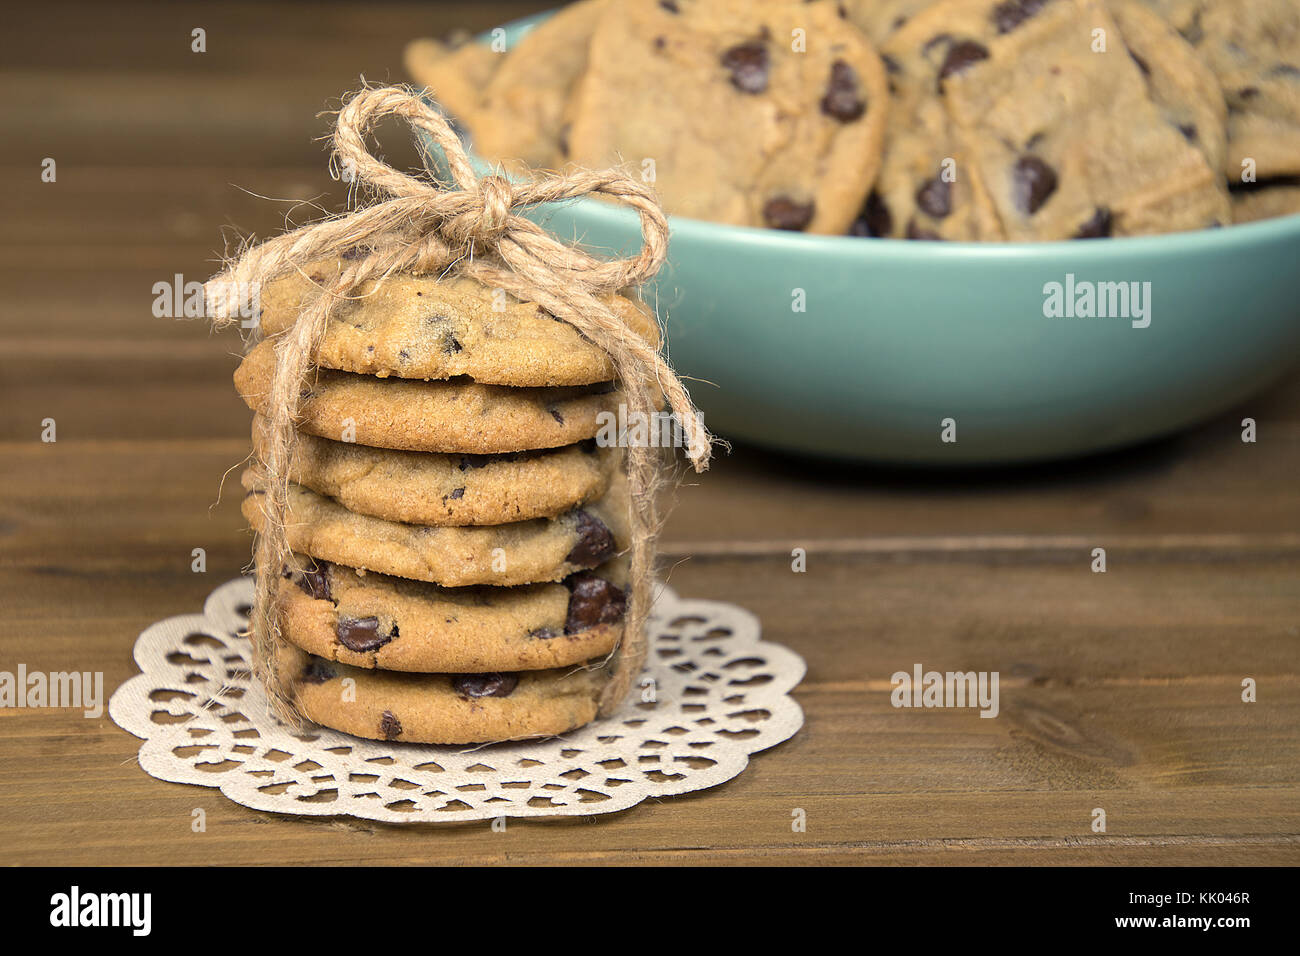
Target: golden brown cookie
{"type": "Point", "coordinates": [454, 73]}
{"type": "Point", "coordinates": [925, 189]}
{"type": "Point", "coordinates": [763, 113]}
{"type": "Point", "coordinates": [523, 552]}
{"type": "Point", "coordinates": [425, 488]}
{"type": "Point", "coordinates": [457, 417]}
{"type": "Point", "coordinates": [426, 327]}
{"type": "Point", "coordinates": [1059, 123]}
{"type": "Point", "coordinates": [373, 620]}
{"type": "Point", "coordinates": [1182, 86]}
{"type": "Point", "coordinates": [1253, 49]}
{"type": "Point", "coordinates": [521, 121]}
{"type": "Point", "coordinates": [440, 708]}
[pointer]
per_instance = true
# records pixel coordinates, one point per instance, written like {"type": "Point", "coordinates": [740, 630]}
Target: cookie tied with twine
{"type": "Point", "coordinates": [469, 226]}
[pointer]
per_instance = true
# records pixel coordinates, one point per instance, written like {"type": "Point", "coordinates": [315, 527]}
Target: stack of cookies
{"type": "Point", "coordinates": [459, 535]}
{"type": "Point", "coordinates": [908, 119]}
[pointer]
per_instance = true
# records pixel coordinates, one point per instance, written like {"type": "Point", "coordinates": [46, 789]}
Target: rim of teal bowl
{"type": "Point", "coordinates": [1084, 252]}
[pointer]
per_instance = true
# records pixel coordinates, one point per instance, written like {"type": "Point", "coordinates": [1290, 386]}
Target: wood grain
{"type": "Point", "coordinates": [1119, 690]}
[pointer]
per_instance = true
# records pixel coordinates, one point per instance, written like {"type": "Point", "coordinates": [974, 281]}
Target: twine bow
{"type": "Point", "coordinates": [470, 226]}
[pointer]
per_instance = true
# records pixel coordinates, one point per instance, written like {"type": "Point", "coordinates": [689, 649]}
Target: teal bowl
{"type": "Point", "coordinates": [936, 353]}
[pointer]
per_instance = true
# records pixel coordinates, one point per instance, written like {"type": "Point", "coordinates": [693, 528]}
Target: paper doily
{"type": "Point", "coordinates": [720, 693]}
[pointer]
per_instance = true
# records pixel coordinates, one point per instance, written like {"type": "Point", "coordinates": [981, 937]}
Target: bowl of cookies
{"type": "Point", "coordinates": [954, 232]}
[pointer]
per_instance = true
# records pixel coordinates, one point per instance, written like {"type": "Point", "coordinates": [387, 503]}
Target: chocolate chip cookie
{"type": "Point", "coordinates": [424, 488]}
{"type": "Point", "coordinates": [1253, 47]}
{"type": "Point", "coordinates": [1181, 85]}
{"type": "Point", "coordinates": [373, 620]}
{"type": "Point", "coordinates": [1062, 133]}
{"type": "Point", "coordinates": [440, 708]}
{"type": "Point", "coordinates": [927, 188]}
{"type": "Point", "coordinates": [523, 552]}
{"type": "Point", "coordinates": [455, 73]}
{"type": "Point", "coordinates": [522, 117]}
{"type": "Point", "coordinates": [427, 327]}
{"type": "Point", "coordinates": [457, 416]}
{"type": "Point", "coordinates": [764, 113]}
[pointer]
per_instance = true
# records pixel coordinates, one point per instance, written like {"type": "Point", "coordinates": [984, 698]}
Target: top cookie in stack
{"type": "Point", "coordinates": [458, 531]}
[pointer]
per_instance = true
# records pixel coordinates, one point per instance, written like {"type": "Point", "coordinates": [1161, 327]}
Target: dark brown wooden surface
{"type": "Point", "coordinates": [1119, 690]}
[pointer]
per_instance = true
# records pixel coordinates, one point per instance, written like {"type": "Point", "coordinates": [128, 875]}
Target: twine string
{"type": "Point", "coordinates": [470, 225]}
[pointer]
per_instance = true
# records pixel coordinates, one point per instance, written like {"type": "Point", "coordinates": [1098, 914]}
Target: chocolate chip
{"type": "Point", "coordinates": [390, 726]}
{"type": "Point", "coordinates": [874, 220]}
{"type": "Point", "coordinates": [562, 138]}
{"type": "Point", "coordinates": [595, 541]}
{"type": "Point", "coordinates": [961, 56]}
{"type": "Point", "coordinates": [917, 232]}
{"type": "Point", "coordinates": [843, 99]}
{"type": "Point", "coordinates": [1007, 16]}
{"type": "Point", "coordinates": [935, 197]}
{"type": "Point", "coordinates": [891, 65]}
{"type": "Point", "coordinates": [1189, 131]}
{"type": "Point", "coordinates": [317, 671]}
{"type": "Point", "coordinates": [456, 493]}
{"type": "Point", "coordinates": [316, 583]}
{"type": "Point", "coordinates": [1283, 69]}
{"type": "Point", "coordinates": [474, 461]}
{"type": "Point", "coordinates": [670, 6]}
{"type": "Point", "coordinates": [361, 634]}
{"type": "Point", "coordinates": [1141, 63]}
{"type": "Point", "coordinates": [593, 601]}
{"type": "Point", "coordinates": [748, 63]}
{"type": "Point", "coordinates": [1248, 92]}
{"type": "Point", "coordinates": [785, 213]}
{"type": "Point", "coordinates": [484, 685]}
{"type": "Point", "coordinates": [555, 413]}
{"type": "Point", "coordinates": [542, 633]}
{"type": "Point", "coordinates": [451, 345]}
{"type": "Point", "coordinates": [1035, 181]}
{"type": "Point", "coordinates": [1098, 227]}
{"type": "Point", "coordinates": [404, 355]}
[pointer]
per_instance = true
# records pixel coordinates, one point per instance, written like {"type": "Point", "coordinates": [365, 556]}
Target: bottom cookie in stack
{"type": "Point", "coordinates": [440, 708]}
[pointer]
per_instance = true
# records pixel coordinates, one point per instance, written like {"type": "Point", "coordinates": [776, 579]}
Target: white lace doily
{"type": "Point", "coordinates": [721, 694]}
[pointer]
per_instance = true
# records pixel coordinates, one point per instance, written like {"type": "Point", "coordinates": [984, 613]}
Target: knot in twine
{"type": "Point", "coordinates": [469, 226]}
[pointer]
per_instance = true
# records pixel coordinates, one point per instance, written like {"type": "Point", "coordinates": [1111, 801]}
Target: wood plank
{"type": "Point", "coordinates": [242, 37]}
{"type": "Point", "coordinates": [260, 85]}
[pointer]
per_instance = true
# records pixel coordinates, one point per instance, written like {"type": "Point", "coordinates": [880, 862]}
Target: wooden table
{"type": "Point", "coordinates": [1119, 690]}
